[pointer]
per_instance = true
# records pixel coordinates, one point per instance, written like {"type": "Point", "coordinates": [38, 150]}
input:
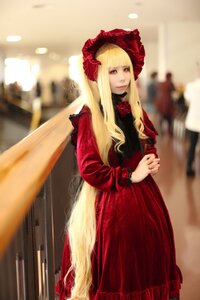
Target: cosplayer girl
{"type": "Point", "coordinates": [119, 243]}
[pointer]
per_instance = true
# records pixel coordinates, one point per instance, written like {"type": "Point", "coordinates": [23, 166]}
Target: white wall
{"type": "Point", "coordinates": [150, 65]}
{"type": "Point", "coordinates": [151, 58]}
{"type": "Point", "coordinates": [183, 50]}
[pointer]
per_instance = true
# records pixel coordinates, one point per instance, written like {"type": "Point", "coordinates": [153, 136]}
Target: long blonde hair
{"type": "Point", "coordinates": [82, 223]}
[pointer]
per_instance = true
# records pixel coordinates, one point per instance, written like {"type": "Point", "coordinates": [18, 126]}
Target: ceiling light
{"type": "Point", "coordinates": [138, 3]}
{"type": "Point", "coordinates": [133, 16]}
{"type": "Point", "coordinates": [13, 38]}
{"type": "Point", "coordinates": [41, 50]}
{"type": "Point", "coordinates": [43, 6]}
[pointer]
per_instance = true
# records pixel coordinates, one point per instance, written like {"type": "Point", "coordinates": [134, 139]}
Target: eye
{"type": "Point", "coordinates": [126, 69]}
{"type": "Point", "coordinates": [113, 71]}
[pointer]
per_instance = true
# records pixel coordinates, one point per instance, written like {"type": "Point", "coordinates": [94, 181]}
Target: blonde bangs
{"type": "Point", "coordinates": [111, 55]}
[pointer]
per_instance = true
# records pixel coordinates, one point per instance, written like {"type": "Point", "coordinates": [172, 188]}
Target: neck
{"type": "Point", "coordinates": [120, 95]}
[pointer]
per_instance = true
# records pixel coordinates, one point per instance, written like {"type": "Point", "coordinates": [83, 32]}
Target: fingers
{"type": "Point", "coordinates": [155, 164]}
{"type": "Point", "coordinates": [150, 163]}
{"type": "Point", "coordinates": [147, 157]}
{"type": "Point", "coordinates": [155, 170]}
{"type": "Point", "coordinates": [154, 173]}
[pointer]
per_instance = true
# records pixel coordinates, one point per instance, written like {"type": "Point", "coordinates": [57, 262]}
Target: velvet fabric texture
{"type": "Point", "coordinates": [129, 40]}
{"type": "Point", "coordinates": [134, 253]}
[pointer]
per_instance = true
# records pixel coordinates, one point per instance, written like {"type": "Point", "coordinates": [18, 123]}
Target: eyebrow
{"type": "Point", "coordinates": [119, 66]}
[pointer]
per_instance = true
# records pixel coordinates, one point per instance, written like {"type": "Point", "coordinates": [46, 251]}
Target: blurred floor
{"type": "Point", "coordinates": [182, 197]}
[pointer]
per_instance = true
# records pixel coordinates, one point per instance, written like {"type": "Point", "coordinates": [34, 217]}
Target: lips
{"type": "Point", "coordinates": [122, 87]}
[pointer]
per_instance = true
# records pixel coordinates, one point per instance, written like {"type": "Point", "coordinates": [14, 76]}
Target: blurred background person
{"type": "Point", "coordinates": [192, 123]}
{"type": "Point", "coordinates": [165, 102]}
{"type": "Point", "coordinates": [70, 90]}
{"type": "Point", "coordinates": [181, 107]}
{"type": "Point", "coordinates": [152, 87]}
{"type": "Point", "coordinates": [3, 104]}
{"type": "Point", "coordinates": [15, 91]}
{"type": "Point", "coordinates": [38, 90]}
{"type": "Point", "coordinates": [54, 92]}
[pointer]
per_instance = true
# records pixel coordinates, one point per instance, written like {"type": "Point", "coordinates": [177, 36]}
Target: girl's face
{"type": "Point", "coordinates": [119, 78]}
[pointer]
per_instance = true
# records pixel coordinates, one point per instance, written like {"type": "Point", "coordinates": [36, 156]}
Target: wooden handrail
{"type": "Point", "coordinates": [25, 166]}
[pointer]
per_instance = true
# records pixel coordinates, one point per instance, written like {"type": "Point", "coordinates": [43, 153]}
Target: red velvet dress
{"type": "Point", "coordinates": [134, 253]}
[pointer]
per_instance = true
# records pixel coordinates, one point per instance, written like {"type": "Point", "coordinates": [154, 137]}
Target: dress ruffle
{"type": "Point", "coordinates": [154, 293]}
{"type": "Point", "coordinates": [74, 118]}
{"type": "Point", "coordinates": [163, 292]}
{"type": "Point", "coordinates": [168, 291]}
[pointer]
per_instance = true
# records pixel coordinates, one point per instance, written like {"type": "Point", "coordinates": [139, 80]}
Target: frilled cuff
{"type": "Point", "coordinates": [126, 177]}
{"type": "Point", "coordinates": [111, 178]}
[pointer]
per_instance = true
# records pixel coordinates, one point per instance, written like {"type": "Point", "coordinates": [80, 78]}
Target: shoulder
{"type": "Point", "coordinates": [148, 125]}
{"type": "Point", "coordinates": [77, 121]}
{"type": "Point", "coordinates": [75, 118]}
{"type": "Point", "coordinates": [84, 110]}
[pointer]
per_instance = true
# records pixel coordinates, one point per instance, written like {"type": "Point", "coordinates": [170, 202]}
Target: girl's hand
{"type": "Point", "coordinates": [154, 166]}
{"type": "Point", "coordinates": [148, 165]}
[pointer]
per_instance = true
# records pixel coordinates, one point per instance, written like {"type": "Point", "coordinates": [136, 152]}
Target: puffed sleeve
{"type": "Point", "coordinates": [151, 132]}
{"type": "Point", "coordinates": [91, 167]}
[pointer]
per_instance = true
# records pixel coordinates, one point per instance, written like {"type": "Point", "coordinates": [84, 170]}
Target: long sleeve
{"type": "Point", "coordinates": [151, 132]}
{"type": "Point", "coordinates": [91, 167]}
